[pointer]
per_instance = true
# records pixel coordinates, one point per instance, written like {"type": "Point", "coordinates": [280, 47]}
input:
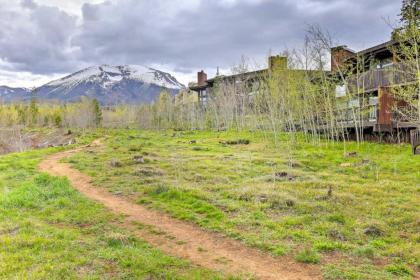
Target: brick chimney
{"type": "Point", "coordinates": [201, 78]}
{"type": "Point", "coordinates": [277, 62]}
{"type": "Point", "coordinates": [338, 57]}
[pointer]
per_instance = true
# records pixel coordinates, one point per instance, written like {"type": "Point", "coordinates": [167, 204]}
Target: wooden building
{"type": "Point", "coordinates": [247, 83]}
{"type": "Point", "coordinates": [366, 81]}
{"type": "Point", "coordinates": [365, 85]}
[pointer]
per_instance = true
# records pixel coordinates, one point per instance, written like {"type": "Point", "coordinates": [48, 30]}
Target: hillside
{"type": "Point", "coordinates": [10, 94]}
{"type": "Point", "coordinates": [110, 85]}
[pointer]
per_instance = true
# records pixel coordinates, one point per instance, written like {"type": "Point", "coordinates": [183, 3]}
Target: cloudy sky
{"type": "Point", "coordinates": [42, 40]}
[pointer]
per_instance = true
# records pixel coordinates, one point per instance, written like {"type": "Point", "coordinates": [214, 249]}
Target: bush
{"type": "Point", "coordinates": [236, 142]}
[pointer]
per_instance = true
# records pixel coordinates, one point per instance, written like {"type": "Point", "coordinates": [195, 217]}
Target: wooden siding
{"type": "Point", "coordinates": [386, 102]}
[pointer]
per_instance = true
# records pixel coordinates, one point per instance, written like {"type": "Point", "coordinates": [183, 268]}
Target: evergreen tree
{"type": "Point", "coordinates": [33, 109]}
{"type": "Point", "coordinates": [97, 112]}
{"type": "Point", "coordinates": [407, 52]}
{"type": "Point", "coordinates": [409, 19]}
{"type": "Point", "coordinates": [410, 13]}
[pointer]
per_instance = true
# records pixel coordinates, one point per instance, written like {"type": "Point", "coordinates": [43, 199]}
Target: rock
{"type": "Point", "coordinates": [327, 196]}
{"type": "Point", "coordinates": [290, 203]}
{"type": "Point", "coordinates": [138, 159]}
{"type": "Point", "coordinates": [193, 142]}
{"type": "Point", "coordinates": [116, 163]}
{"type": "Point", "coordinates": [351, 154]}
{"type": "Point", "coordinates": [262, 198]}
{"type": "Point", "coordinates": [335, 234]}
{"type": "Point", "coordinates": [284, 175]}
{"type": "Point", "coordinates": [329, 193]}
{"type": "Point", "coordinates": [281, 174]}
{"type": "Point", "coordinates": [373, 231]}
{"type": "Point", "coordinates": [148, 172]}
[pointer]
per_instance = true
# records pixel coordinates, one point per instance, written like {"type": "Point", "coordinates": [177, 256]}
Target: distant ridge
{"type": "Point", "coordinates": [110, 85]}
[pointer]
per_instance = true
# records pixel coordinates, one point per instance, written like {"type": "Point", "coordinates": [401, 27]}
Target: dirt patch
{"type": "Point", "coordinates": [187, 241]}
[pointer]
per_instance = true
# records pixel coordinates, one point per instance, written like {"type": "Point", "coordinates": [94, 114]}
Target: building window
{"type": "Point", "coordinates": [373, 108]}
{"type": "Point", "coordinates": [386, 63]}
{"type": "Point", "coordinates": [340, 91]}
{"type": "Point", "coordinates": [354, 103]}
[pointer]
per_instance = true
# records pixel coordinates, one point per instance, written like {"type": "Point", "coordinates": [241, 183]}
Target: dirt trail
{"type": "Point", "coordinates": [182, 239]}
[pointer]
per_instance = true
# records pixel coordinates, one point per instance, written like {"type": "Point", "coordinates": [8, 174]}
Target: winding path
{"type": "Point", "coordinates": [183, 239]}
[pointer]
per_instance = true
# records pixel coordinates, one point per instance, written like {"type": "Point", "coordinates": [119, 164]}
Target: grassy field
{"type": "Point", "coordinates": [353, 210]}
{"type": "Point", "coordinates": [49, 231]}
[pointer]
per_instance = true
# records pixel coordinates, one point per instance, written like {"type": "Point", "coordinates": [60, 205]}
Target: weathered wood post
{"type": "Point", "coordinates": [415, 140]}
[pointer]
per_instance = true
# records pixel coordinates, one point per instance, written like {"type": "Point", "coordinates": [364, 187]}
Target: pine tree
{"type": "Point", "coordinates": [97, 112]}
{"type": "Point", "coordinates": [410, 13]}
{"type": "Point", "coordinates": [408, 37]}
{"type": "Point", "coordinates": [33, 109]}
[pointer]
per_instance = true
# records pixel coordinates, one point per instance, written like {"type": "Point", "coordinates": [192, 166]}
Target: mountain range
{"type": "Point", "coordinates": [110, 85]}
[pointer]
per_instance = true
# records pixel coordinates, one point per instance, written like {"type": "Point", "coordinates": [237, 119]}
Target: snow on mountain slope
{"type": "Point", "coordinates": [110, 85]}
{"type": "Point", "coordinates": [9, 94]}
{"type": "Point", "coordinates": [107, 76]}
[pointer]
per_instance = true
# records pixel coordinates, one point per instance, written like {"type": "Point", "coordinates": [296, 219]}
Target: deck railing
{"type": "Point", "coordinates": [367, 113]}
{"type": "Point", "coordinates": [395, 74]}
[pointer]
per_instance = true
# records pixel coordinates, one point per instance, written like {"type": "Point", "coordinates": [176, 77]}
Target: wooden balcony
{"type": "Point", "coordinates": [369, 116]}
{"type": "Point", "coordinates": [371, 80]}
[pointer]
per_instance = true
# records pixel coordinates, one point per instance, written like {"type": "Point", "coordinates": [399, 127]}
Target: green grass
{"type": "Point", "coordinates": [49, 231]}
{"type": "Point", "coordinates": [362, 211]}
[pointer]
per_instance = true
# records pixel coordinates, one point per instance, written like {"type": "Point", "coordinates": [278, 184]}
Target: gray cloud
{"type": "Point", "coordinates": [186, 34]}
{"type": "Point", "coordinates": [36, 38]}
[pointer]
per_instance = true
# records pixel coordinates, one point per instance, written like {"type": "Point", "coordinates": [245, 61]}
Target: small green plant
{"type": "Point", "coordinates": [308, 256]}
{"type": "Point", "coordinates": [365, 251]}
{"type": "Point", "coordinates": [337, 218]}
{"type": "Point", "coordinates": [158, 189]}
{"type": "Point", "coordinates": [327, 246]}
{"type": "Point", "coordinates": [135, 148]}
{"type": "Point", "coordinates": [279, 251]}
{"type": "Point", "coordinates": [201, 249]}
{"type": "Point", "coordinates": [399, 270]}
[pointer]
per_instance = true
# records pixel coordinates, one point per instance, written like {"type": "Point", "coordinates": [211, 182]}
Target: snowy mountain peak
{"type": "Point", "coordinates": [110, 85]}
{"type": "Point", "coordinates": [107, 76]}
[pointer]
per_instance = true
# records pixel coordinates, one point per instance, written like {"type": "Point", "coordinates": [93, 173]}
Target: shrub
{"type": "Point", "coordinates": [236, 142]}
